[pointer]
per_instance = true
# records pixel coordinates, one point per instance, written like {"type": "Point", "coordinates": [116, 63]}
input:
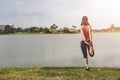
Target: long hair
{"type": "Point", "coordinates": [84, 20]}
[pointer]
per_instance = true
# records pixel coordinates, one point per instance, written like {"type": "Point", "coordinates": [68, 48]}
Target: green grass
{"type": "Point", "coordinates": [59, 73]}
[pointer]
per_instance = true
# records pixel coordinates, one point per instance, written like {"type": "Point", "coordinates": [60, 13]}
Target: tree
{"type": "Point", "coordinates": [53, 28]}
{"type": "Point", "coordinates": [1, 31]}
{"type": "Point", "coordinates": [46, 30]}
{"type": "Point", "coordinates": [7, 29]}
{"type": "Point", "coordinates": [19, 29]}
{"type": "Point", "coordinates": [27, 30]}
{"type": "Point", "coordinates": [13, 30]}
{"type": "Point", "coordinates": [41, 30]}
{"type": "Point", "coordinates": [34, 29]}
{"type": "Point", "coordinates": [66, 30]}
{"type": "Point", "coordinates": [74, 29]}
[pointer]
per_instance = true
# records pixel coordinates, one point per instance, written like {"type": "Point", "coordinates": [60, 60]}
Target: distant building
{"type": "Point", "coordinates": [112, 28]}
{"type": "Point", "coordinates": [2, 27]}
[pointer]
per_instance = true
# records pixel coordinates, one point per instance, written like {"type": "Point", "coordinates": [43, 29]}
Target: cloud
{"type": "Point", "coordinates": [47, 11]}
{"type": "Point", "coordinates": [64, 13]}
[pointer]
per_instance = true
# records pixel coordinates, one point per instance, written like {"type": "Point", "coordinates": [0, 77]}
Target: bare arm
{"type": "Point", "coordinates": [90, 32]}
{"type": "Point", "coordinates": [82, 33]}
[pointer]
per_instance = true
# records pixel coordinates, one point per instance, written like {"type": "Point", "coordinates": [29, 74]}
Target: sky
{"type": "Point", "coordinates": [63, 13]}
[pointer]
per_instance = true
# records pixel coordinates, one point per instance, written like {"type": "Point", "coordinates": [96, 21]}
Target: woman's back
{"type": "Point", "coordinates": [85, 29]}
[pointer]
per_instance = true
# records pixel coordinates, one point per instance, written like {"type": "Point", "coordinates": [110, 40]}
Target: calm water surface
{"type": "Point", "coordinates": [57, 50]}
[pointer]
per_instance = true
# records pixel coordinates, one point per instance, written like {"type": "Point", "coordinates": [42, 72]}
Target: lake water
{"type": "Point", "coordinates": [58, 50]}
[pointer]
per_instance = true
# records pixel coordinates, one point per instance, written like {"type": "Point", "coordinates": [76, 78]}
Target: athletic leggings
{"type": "Point", "coordinates": [84, 48]}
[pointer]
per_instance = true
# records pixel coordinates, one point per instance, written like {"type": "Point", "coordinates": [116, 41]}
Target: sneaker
{"type": "Point", "coordinates": [87, 69]}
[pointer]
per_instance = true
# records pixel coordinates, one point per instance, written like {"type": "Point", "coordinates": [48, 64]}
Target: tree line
{"type": "Point", "coordinates": [53, 29]}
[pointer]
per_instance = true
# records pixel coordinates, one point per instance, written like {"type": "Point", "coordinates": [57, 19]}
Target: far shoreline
{"type": "Point", "coordinates": [55, 33]}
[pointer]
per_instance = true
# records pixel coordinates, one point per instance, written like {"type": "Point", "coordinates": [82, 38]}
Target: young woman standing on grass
{"type": "Point", "coordinates": [86, 41]}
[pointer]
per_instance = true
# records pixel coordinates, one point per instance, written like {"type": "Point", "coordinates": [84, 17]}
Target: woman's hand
{"type": "Point", "coordinates": [87, 43]}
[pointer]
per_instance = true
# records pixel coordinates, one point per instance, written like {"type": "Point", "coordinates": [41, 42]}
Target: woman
{"type": "Point", "coordinates": [86, 42]}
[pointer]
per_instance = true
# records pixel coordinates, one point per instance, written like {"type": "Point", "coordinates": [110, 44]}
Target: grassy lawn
{"type": "Point", "coordinates": [59, 73]}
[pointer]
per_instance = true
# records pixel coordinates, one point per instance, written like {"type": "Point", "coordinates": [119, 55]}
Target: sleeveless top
{"type": "Point", "coordinates": [86, 33]}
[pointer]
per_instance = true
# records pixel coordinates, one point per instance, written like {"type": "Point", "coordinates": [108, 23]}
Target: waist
{"type": "Point", "coordinates": [87, 39]}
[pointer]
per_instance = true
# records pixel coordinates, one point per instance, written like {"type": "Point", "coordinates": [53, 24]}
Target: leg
{"type": "Point", "coordinates": [90, 49]}
{"type": "Point", "coordinates": [84, 51]}
{"type": "Point", "coordinates": [86, 64]}
{"type": "Point", "coordinates": [86, 61]}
